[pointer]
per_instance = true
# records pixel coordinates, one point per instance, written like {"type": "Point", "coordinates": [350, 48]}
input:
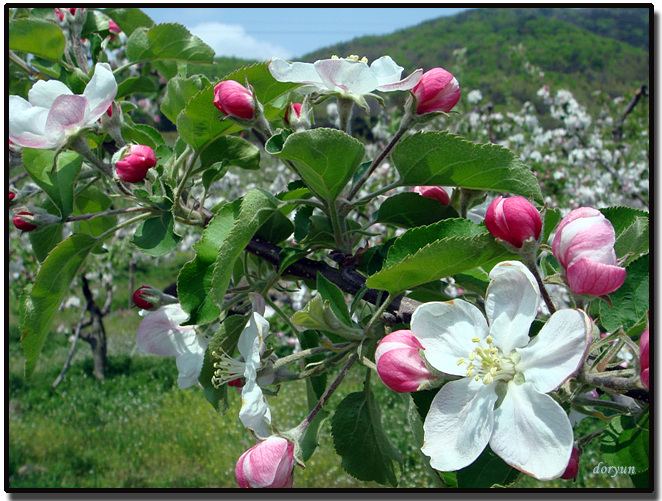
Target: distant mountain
{"type": "Point", "coordinates": [504, 52]}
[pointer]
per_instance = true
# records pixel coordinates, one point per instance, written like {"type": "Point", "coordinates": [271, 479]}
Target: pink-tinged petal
{"type": "Point", "coordinates": [44, 92]}
{"type": "Point", "coordinates": [346, 75]}
{"type": "Point", "coordinates": [254, 413]}
{"type": "Point", "coordinates": [644, 378]}
{"type": "Point", "coordinates": [435, 192]}
{"type": "Point", "coordinates": [27, 124]}
{"type": "Point", "coordinates": [459, 424]}
{"type": "Point", "coordinates": [294, 72]}
{"type": "Point", "coordinates": [386, 70]}
{"type": "Point", "coordinates": [584, 230]}
{"type": "Point", "coordinates": [251, 341]}
{"type": "Point", "coordinates": [511, 304]}
{"type": "Point", "coordinates": [100, 91]}
{"type": "Point", "coordinates": [189, 363]}
{"type": "Point", "coordinates": [66, 114]}
{"type": "Point", "coordinates": [532, 432]}
{"type": "Point", "coordinates": [596, 279]}
{"type": "Point", "coordinates": [159, 333]}
{"type": "Point", "coordinates": [558, 351]}
{"type": "Point", "coordinates": [267, 464]}
{"type": "Point", "coordinates": [446, 330]}
{"type": "Point", "coordinates": [406, 83]}
{"type": "Point", "coordinates": [399, 363]}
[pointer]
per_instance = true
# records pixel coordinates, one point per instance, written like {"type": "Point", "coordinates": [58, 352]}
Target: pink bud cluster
{"type": "Point", "coordinates": [438, 90]}
{"type": "Point", "coordinates": [399, 363]}
{"type": "Point", "coordinates": [269, 464]}
{"type": "Point", "coordinates": [513, 220]}
{"type": "Point", "coordinates": [584, 246]}
{"type": "Point", "coordinates": [233, 99]}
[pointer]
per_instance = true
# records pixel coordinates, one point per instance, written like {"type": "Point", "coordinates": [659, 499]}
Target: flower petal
{"type": "Point", "coordinates": [100, 91]}
{"type": "Point", "coordinates": [557, 351]}
{"type": "Point", "coordinates": [511, 304]}
{"type": "Point", "coordinates": [459, 424]}
{"type": "Point", "coordinates": [27, 124]}
{"type": "Point", "coordinates": [445, 330]}
{"type": "Point", "coordinates": [294, 72]}
{"type": "Point", "coordinates": [251, 343]}
{"type": "Point", "coordinates": [586, 276]}
{"type": "Point", "coordinates": [532, 432]}
{"type": "Point", "coordinates": [255, 410]}
{"type": "Point", "coordinates": [67, 113]}
{"type": "Point", "coordinates": [189, 363]}
{"type": "Point", "coordinates": [44, 92]}
{"type": "Point", "coordinates": [406, 83]}
{"type": "Point", "coordinates": [159, 333]}
{"type": "Point", "coordinates": [346, 75]}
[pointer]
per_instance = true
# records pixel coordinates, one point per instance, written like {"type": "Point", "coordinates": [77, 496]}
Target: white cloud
{"type": "Point", "coordinates": [231, 40]}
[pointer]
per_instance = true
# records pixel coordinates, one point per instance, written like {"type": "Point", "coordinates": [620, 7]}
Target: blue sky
{"type": "Point", "coordinates": [289, 32]}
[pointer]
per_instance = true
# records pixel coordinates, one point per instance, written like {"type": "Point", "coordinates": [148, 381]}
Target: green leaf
{"type": "Point", "coordinates": [199, 123]}
{"type": "Point", "coordinates": [35, 36]}
{"type": "Point", "coordinates": [44, 240]}
{"type": "Point", "coordinates": [552, 219]}
{"type": "Point", "coordinates": [318, 315]}
{"type": "Point", "coordinates": [331, 293]}
{"type": "Point", "coordinates": [178, 92]}
{"type": "Point", "coordinates": [632, 230]}
{"type": "Point", "coordinates": [444, 159]}
{"type": "Point", "coordinates": [625, 442]}
{"type": "Point", "coordinates": [52, 283]}
{"type": "Point", "coordinates": [156, 236]}
{"type": "Point", "coordinates": [256, 207]}
{"type": "Point", "coordinates": [325, 158]}
{"type": "Point", "coordinates": [59, 186]}
{"type": "Point", "coordinates": [315, 388]}
{"type": "Point", "coordinates": [407, 210]}
{"type": "Point", "coordinates": [631, 300]}
{"type": "Point", "coordinates": [275, 229]}
{"type": "Point", "coordinates": [168, 41]}
{"type": "Point", "coordinates": [129, 19]}
{"type": "Point", "coordinates": [224, 341]}
{"type": "Point", "coordinates": [486, 471]}
{"type": "Point", "coordinates": [93, 201]}
{"type": "Point", "coordinates": [359, 439]}
{"type": "Point", "coordinates": [142, 134]}
{"type": "Point", "coordinates": [446, 248]}
{"type": "Point", "coordinates": [50, 68]}
{"type": "Point", "coordinates": [136, 85]}
{"type": "Point", "coordinates": [232, 151]}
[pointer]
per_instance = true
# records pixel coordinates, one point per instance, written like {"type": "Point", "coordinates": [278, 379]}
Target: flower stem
{"type": "Point", "coordinates": [86, 217]}
{"type": "Point", "coordinates": [530, 262]}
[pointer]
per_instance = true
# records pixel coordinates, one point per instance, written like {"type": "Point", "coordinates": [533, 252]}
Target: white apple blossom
{"type": "Point", "coordinates": [503, 399]}
{"type": "Point", "coordinates": [53, 113]}
{"type": "Point", "coordinates": [160, 333]}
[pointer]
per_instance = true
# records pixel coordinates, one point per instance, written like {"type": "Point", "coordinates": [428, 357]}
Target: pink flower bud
{"type": "Point", "coordinates": [141, 298]}
{"type": "Point", "coordinates": [113, 28]}
{"type": "Point", "coordinates": [435, 192]}
{"type": "Point", "coordinates": [59, 14]}
{"type": "Point", "coordinates": [12, 196]}
{"type": "Point", "coordinates": [22, 224]}
{"type": "Point", "coordinates": [233, 99]}
{"type": "Point", "coordinates": [134, 163]}
{"type": "Point", "coordinates": [437, 90]}
{"type": "Point", "coordinates": [643, 358]}
{"type": "Point", "coordinates": [268, 464]}
{"type": "Point", "coordinates": [399, 364]}
{"type": "Point", "coordinates": [292, 113]}
{"type": "Point", "coordinates": [584, 246]}
{"type": "Point", "coordinates": [513, 220]}
{"type": "Point", "coordinates": [573, 465]}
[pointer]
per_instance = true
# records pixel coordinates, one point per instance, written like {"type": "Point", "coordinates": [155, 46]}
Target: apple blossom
{"type": "Point", "coordinates": [529, 430]}
{"type": "Point", "coordinates": [437, 90]}
{"type": "Point", "coordinates": [22, 224]}
{"type": "Point", "coordinates": [584, 246]}
{"type": "Point", "coordinates": [140, 301]}
{"type": "Point", "coordinates": [513, 220]}
{"type": "Point", "coordinates": [113, 28]}
{"type": "Point", "coordinates": [399, 363]}
{"type": "Point", "coordinates": [268, 464]}
{"type": "Point", "coordinates": [133, 163]}
{"type": "Point", "coordinates": [160, 333]}
{"type": "Point", "coordinates": [233, 99]}
{"type": "Point", "coordinates": [435, 192]}
{"type": "Point", "coordinates": [52, 113]}
{"type": "Point", "coordinates": [643, 358]}
{"type": "Point", "coordinates": [293, 111]}
{"type": "Point", "coordinates": [573, 465]}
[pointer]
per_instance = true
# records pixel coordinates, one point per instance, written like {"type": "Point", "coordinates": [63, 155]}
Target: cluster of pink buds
{"type": "Point", "coordinates": [269, 464]}
{"type": "Point", "coordinates": [513, 220]}
{"type": "Point", "coordinates": [399, 363]}
{"type": "Point", "coordinates": [584, 246]}
{"type": "Point", "coordinates": [133, 162]}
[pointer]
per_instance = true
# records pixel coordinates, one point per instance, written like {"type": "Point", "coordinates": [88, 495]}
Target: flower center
{"type": "Point", "coordinates": [488, 363]}
{"type": "Point", "coordinates": [227, 369]}
{"type": "Point", "coordinates": [353, 58]}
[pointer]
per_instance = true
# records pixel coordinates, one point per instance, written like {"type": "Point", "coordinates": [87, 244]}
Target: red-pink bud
{"type": "Point", "coordinates": [399, 363]}
{"type": "Point", "coordinates": [643, 358]}
{"type": "Point", "coordinates": [22, 224]}
{"type": "Point", "coordinates": [436, 192]}
{"type": "Point", "coordinates": [59, 14]}
{"type": "Point", "coordinates": [140, 298]}
{"type": "Point", "coordinates": [437, 90]}
{"type": "Point", "coordinates": [12, 196]}
{"type": "Point", "coordinates": [268, 464]}
{"type": "Point", "coordinates": [513, 220]}
{"type": "Point", "coordinates": [113, 28]}
{"type": "Point", "coordinates": [233, 99]}
{"type": "Point", "coordinates": [292, 108]}
{"type": "Point", "coordinates": [584, 246]}
{"type": "Point", "coordinates": [573, 465]}
{"type": "Point", "coordinates": [134, 163]}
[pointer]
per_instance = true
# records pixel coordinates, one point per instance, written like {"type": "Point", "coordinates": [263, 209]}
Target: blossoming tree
{"type": "Point", "coordinates": [503, 320]}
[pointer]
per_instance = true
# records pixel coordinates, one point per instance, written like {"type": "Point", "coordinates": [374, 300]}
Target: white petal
{"type": "Point", "coordinates": [557, 351]}
{"type": "Point", "coordinates": [445, 330]}
{"type": "Point", "coordinates": [404, 84]}
{"type": "Point", "coordinates": [66, 114]}
{"type": "Point", "coordinates": [189, 363]}
{"type": "Point", "coordinates": [100, 91]}
{"type": "Point", "coordinates": [511, 304]}
{"type": "Point", "coordinates": [459, 424]}
{"type": "Point", "coordinates": [44, 92]}
{"type": "Point", "coordinates": [27, 124]}
{"type": "Point", "coordinates": [385, 70]}
{"type": "Point", "coordinates": [255, 410]}
{"type": "Point", "coordinates": [159, 333]}
{"type": "Point", "coordinates": [294, 72]}
{"type": "Point", "coordinates": [251, 342]}
{"type": "Point", "coordinates": [346, 75]}
{"type": "Point", "coordinates": [532, 432]}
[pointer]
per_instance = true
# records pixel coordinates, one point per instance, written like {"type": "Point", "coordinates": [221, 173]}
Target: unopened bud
{"type": "Point", "coordinates": [434, 192]}
{"type": "Point", "coordinates": [437, 90]}
{"type": "Point", "coordinates": [133, 162]}
{"type": "Point", "coordinates": [513, 220]}
{"type": "Point", "coordinates": [233, 99]}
